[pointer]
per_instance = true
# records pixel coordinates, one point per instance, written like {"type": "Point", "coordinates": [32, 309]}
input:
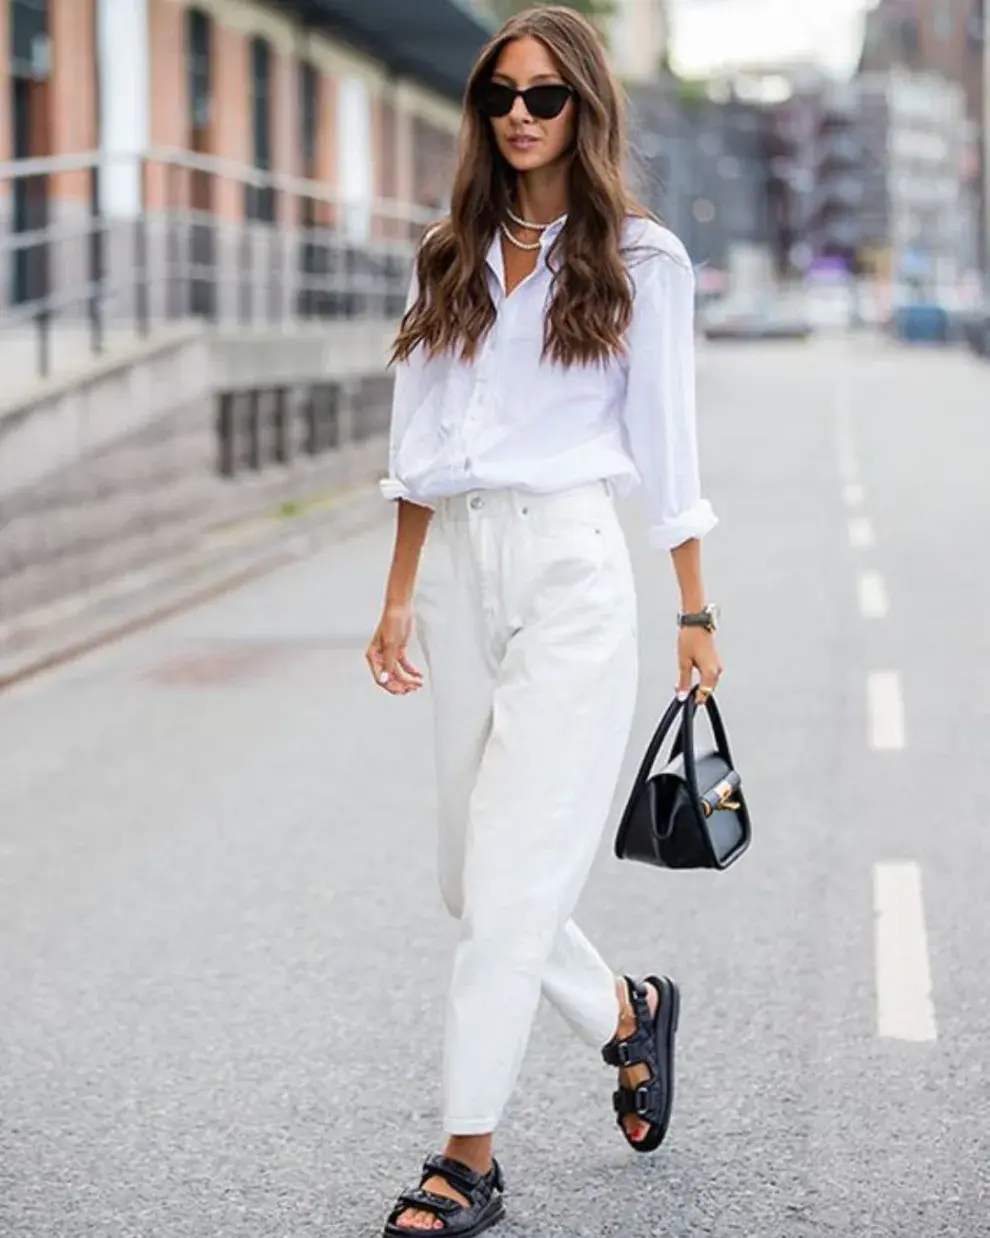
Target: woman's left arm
{"type": "Point", "coordinates": [660, 422]}
{"type": "Point", "coordinates": [696, 648]}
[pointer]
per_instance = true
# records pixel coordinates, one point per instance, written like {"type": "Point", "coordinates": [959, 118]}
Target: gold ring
{"type": "Point", "coordinates": [705, 690]}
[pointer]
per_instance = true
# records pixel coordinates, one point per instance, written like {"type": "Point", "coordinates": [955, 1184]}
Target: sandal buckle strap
{"type": "Point", "coordinates": [458, 1175]}
{"type": "Point", "coordinates": [477, 1188]}
{"type": "Point", "coordinates": [643, 1101]}
{"type": "Point", "coordinates": [632, 1051]}
{"type": "Point", "coordinates": [426, 1200]}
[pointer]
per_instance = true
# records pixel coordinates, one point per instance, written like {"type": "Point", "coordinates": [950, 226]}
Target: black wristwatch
{"type": "Point", "coordinates": [707, 618]}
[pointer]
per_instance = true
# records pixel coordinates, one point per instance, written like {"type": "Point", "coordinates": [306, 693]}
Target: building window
{"type": "Point", "coordinates": [309, 117]}
{"type": "Point", "coordinates": [260, 202]}
{"type": "Point", "coordinates": [261, 103]}
{"type": "Point", "coordinates": [30, 50]}
{"type": "Point", "coordinates": [909, 38]}
{"type": "Point", "coordinates": [199, 41]}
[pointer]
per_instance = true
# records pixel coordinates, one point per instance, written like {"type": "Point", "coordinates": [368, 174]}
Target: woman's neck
{"type": "Point", "coordinates": [541, 197]}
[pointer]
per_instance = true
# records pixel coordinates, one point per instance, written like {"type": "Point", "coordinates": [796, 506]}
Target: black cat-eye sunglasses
{"type": "Point", "coordinates": [495, 99]}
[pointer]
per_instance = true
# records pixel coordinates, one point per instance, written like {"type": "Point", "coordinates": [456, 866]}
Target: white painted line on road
{"type": "Point", "coordinates": [873, 602]}
{"type": "Point", "coordinates": [904, 984]}
{"type": "Point", "coordinates": [885, 711]}
{"type": "Point", "coordinates": [861, 532]}
{"type": "Point", "coordinates": [853, 494]}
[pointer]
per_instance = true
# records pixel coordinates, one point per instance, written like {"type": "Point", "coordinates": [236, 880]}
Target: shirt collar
{"type": "Point", "coordinates": [494, 257]}
{"type": "Point", "coordinates": [553, 231]}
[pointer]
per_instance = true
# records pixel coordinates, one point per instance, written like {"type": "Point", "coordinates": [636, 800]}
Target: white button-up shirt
{"type": "Point", "coordinates": [509, 419]}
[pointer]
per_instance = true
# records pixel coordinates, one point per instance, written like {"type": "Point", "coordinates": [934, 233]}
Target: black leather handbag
{"type": "Point", "coordinates": [692, 814]}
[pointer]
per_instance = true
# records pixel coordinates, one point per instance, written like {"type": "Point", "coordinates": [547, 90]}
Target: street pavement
{"type": "Point", "coordinates": [223, 954]}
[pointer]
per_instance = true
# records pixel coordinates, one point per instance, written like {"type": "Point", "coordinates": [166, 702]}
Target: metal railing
{"type": "Point", "coordinates": [96, 250]}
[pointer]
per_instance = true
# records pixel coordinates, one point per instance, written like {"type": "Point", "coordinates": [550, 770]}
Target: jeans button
{"type": "Point", "coordinates": [477, 502]}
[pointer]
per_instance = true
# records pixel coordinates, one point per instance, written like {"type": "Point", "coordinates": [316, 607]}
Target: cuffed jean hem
{"type": "Point", "coordinates": [470, 1126]}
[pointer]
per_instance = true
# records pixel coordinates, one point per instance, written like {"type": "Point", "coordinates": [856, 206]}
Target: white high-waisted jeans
{"type": "Point", "coordinates": [526, 612]}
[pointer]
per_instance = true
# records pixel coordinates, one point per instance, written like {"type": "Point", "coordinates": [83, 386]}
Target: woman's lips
{"type": "Point", "coordinates": [522, 142]}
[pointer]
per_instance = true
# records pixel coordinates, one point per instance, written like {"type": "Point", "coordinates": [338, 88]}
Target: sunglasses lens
{"type": "Point", "coordinates": [495, 100]}
{"type": "Point", "coordinates": [546, 102]}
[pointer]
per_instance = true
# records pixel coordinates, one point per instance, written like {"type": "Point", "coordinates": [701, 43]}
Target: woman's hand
{"type": "Point", "coordinates": [386, 655]}
{"type": "Point", "coordinates": [696, 650]}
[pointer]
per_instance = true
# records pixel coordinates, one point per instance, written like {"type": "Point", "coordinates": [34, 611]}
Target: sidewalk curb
{"type": "Point", "coordinates": [223, 564]}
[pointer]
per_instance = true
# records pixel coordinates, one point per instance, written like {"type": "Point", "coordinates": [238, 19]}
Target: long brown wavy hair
{"type": "Point", "coordinates": [592, 294]}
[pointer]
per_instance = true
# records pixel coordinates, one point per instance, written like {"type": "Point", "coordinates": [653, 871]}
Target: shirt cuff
{"type": "Point", "coordinates": [695, 522]}
{"type": "Point", "coordinates": [392, 489]}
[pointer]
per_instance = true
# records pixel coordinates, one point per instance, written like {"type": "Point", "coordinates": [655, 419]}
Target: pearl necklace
{"type": "Point", "coordinates": [518, 244]}
{"type": "Point", "coordinates": [525, 223]}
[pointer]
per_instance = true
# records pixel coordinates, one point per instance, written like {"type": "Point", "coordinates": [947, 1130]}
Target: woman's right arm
{"type": "Point", "coordinates": [410, 534]}
{"type": "Point", "coordinates": [386, 655]}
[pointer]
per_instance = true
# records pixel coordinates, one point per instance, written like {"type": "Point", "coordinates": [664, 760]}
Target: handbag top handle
{"type": "Point", "coordinates": [685, 739]}
{"type": "Point", "coordinates": [684, 743]}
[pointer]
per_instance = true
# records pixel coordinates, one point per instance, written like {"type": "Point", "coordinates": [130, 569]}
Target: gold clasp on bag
{"type": "Point", "coordinates": [724, 801]}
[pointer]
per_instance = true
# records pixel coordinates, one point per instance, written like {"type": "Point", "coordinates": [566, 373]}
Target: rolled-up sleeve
{"type": "Point", "coordinates": [659, 414]}
{"type": "Point", "coordinates": [403, 402]}
{"type": "Point", "coordinates": [407, 392]}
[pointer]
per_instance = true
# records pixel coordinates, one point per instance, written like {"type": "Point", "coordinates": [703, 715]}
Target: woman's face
{"type": "Point", "coordinates": [524, 141]}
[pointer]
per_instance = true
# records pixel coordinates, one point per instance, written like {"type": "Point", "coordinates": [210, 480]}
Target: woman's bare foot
{"type": "Point", "coordinates": [633, 1076]}
{"type": "Point", "coordinates": [475, 1151]}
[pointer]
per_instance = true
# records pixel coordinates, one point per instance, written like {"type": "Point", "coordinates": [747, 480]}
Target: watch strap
{"type": "Point", "coordinates": [707, 618]}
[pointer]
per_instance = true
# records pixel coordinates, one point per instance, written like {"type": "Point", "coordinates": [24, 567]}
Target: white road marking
{"type": "Point", "coordinates": [885, 711]}
{"type": "Point", "coordinates": [904, 984]}
{"type": "Point", "coordinates": [861, 531]}
{"type": "Point", "coordinates": [853, 494]}
{"type": "Point", "coordinates": [873, 602]}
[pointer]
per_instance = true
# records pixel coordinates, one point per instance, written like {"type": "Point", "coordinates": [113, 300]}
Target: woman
{"type": "Point", "coordinates": [545, 362]}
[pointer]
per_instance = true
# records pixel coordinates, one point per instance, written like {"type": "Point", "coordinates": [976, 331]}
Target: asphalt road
{"type": "Point", "coordinates": [222, 952]}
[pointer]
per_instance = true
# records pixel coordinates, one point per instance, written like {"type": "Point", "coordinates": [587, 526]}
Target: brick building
{"type": "Point", "coordinates": [362, 98]}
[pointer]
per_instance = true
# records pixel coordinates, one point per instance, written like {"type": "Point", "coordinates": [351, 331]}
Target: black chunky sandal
{"type": "Point", "coordinates": [652, 1044]}
{"type": "Point", "coordinates": [483, 1191]}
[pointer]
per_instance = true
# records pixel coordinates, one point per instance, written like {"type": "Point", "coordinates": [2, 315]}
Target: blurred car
{"type": "Point", "coordinates": [728, 320]}
{"type": "Point", "coordinates": [922, 322]}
